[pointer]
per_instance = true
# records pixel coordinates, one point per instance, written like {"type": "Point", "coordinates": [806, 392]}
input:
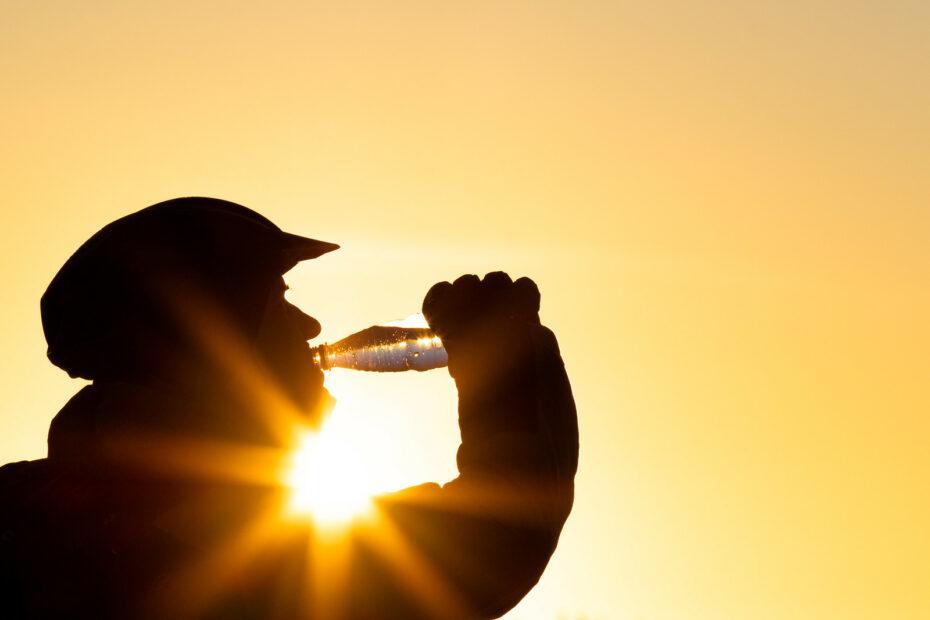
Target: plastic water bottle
{"type": "Point", "coordinates": [384, 348]}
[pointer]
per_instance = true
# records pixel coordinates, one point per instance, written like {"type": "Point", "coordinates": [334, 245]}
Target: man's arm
{"type": "Point", "coordinates": [475, 546]}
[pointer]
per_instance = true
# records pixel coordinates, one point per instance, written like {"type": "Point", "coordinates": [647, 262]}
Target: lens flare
{"type": "Point", "coordinates": [327, 481]}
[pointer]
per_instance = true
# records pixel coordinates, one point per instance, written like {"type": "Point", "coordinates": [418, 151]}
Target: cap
{"type": "Point", "coordinates": [101, 289]}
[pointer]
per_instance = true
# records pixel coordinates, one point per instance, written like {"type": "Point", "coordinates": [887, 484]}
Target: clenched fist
{"type": "Point", "coordinates": [453, 309]}
{"type": "Point", "coordinates": [485, 324]}
{"type": "Point", "coordinates": [497, 350]}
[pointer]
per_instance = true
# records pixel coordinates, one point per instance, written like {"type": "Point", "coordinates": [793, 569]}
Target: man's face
{"type": "Point", "coordinates": [282, 343]}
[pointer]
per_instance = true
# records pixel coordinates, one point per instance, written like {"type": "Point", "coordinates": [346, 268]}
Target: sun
{"type": "Point", "coordinates": [327, 480]}
{"type": "Point", "coordinates": [334, 472]}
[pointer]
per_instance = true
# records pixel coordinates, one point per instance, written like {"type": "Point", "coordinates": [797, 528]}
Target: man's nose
{"type": "Point", "coordinates": [309, 326]}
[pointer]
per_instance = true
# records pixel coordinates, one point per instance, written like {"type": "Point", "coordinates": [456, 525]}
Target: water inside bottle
{"type": "Point", "coordinates": [393, 347]}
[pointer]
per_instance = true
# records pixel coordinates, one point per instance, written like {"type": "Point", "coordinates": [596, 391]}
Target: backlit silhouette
{"type": "Point", "coordinates": [168, 491]}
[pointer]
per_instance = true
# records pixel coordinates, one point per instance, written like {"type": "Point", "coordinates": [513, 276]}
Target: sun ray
{"type": "Point", "coordinates": [191, 590]}
{"type": "Point", "coordinates": [210, 327]}
{"type": "Point", "coordinates": [329, 561]}
{"type": "Point", "coordinates": [428, 586]}
{"type": "Point", "coordinates": [197, 458]}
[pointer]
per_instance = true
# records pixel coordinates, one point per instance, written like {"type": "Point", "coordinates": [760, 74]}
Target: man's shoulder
{"type": "Point", "coordinates": [16, 469]}
{"type": "Point", "coordinates": [20, 483]}
{"type": "Point", "coordinates": [19, 480]}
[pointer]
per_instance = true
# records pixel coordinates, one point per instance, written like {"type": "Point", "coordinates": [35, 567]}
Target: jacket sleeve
{"type": "Point", "coordinates": [474, 547]}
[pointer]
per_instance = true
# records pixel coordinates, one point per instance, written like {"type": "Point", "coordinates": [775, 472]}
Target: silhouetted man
{"type": "Point", "coordinates": [153, 501]}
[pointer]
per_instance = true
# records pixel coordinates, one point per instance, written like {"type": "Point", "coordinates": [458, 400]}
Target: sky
{"type": "Point", "coordinates": [724, 204]}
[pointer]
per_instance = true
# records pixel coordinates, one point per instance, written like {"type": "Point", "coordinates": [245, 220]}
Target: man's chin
{"type": "Point", "coordinates": [316, 408]}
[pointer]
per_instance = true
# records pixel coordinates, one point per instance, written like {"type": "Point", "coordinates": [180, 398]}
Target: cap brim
{"type": "Point", "coordinates": [295, 248]}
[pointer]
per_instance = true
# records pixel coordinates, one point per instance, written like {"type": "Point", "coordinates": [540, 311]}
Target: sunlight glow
{"type": "Point", "coordinates": [327, 480]}
{"type": "Point", "coordinates": [333, 472]}
{"type": "Point", "coordinates": [414, 320]}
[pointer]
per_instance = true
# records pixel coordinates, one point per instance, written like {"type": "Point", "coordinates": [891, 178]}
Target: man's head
{"type": "Point", "coordinates": [175, 290]}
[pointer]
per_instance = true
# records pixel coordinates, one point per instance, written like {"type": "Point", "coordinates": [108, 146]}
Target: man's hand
{"type": "Point", "coordinates": [510, 377]}
{"type": "Point", "coordinates": [485, 325]}
{"type": "Point", "coordinates": [453, 309]}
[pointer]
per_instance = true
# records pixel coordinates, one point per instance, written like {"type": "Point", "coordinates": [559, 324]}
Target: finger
{"type": "Point", "coordinates": [465, 295]}
{"type": "Point", "coordinates": [469, 280]}
{"type": "Point", "coordinates": [495, 294]}
{"type": "Point", "coordinates": [436, 300]}
{"type": "Point", "coordinates": [497, 278]}
{"type": "Point", "coordinates": [496, 284]}
{"type": "Point", "coordinates": [526, 299]}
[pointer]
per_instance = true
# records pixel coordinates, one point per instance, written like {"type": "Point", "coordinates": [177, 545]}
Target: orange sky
{"type": "Point", "coordinates": [725, 206]}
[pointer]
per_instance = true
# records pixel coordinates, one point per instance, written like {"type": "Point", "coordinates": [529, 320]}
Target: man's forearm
{"type": "Point", "coordinates": [486, 537]}
{"type": "Point", "coordinates": [519, 427]}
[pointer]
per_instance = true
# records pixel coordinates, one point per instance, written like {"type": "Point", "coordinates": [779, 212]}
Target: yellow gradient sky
{"type": "Point", "coordinates": [726, 206]}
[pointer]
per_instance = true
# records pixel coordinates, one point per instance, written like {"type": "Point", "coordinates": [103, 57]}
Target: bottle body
{"type": "Point", "coordinates": [384, 348]}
